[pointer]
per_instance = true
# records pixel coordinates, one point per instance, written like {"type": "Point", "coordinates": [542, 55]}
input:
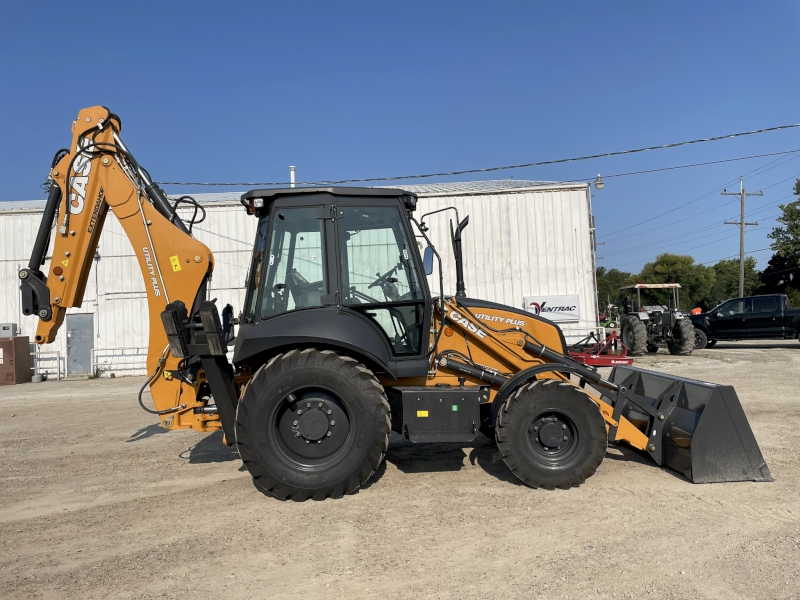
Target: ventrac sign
{"type": "Point", "coordinates": [563, 309]}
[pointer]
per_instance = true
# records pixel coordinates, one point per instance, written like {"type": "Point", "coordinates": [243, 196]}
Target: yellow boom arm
{"type": "Point", "coordinates": [97, 173]}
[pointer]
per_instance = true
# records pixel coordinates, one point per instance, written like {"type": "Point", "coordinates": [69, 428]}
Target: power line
{"type": "Point", "coordinates": [716, 260]}
{"type": "Point", "coordinates": [693, 215]}
{"type": "Point", "coordinates": [702, 164]}
{"type": "Point", "coordinates": [703, 196]}
{"type": "Point", "coordinates": [501, 168]}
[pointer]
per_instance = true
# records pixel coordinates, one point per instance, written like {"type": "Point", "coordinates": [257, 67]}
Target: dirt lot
{"type": "Point", "coordinates": [98, 502]}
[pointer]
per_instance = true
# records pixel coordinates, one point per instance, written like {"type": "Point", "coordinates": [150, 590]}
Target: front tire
{"type": "Point", "coordinates": [312, 424]}
{"type": "Point", "coordinates": [551, 434]}
{"type": "Point", "coordinates": [700, 339]}
{"type": "Point", "coordinates": [634, 336]}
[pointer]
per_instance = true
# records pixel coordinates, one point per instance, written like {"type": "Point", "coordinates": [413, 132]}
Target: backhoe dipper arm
{"type": "Point", "coordinates": [98, 172]}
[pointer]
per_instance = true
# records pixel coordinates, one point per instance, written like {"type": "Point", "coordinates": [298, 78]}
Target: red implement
{"type": "Point", "coordinates": [610, 352]}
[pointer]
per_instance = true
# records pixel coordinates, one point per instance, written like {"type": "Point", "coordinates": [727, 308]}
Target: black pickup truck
{"type": "Point", "coordinates": [751, 318]}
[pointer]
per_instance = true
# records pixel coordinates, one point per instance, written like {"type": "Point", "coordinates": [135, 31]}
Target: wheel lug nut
{"type": "Point", "coordinates": [536, 429]}
{"type": "Point", "coordinates": [295, 423]}
{"type": "Point", "coordinates": [308, 405]}
{"type": "Point", "coordinates": [558, 447]}
{"type": "Point", "coordinates": [300, 411]}
{"type": "Point", "coordinates": [563, 427]}
{"type": "Point", "coordinates": [329, 411]}
{"type": "Point", "coordinates": [329, 433]}
{"type": "Point", "coordinates": [319, 405]}
{"type": "Point", "coordinates": [319, 441]}
{"type": "Point", "coordinates": [333, 422]}
{"type": "Point", "coordinates": [565, 438]}
{"type": "Point", "coordinates": [307, 442]}
{"type": "Point", "coordinates": [297, 434]}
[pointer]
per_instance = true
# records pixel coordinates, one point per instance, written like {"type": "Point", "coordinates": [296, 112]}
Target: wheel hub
{"type": "Point", "coordinates": [313, 424]}
{"type": "Point", "coordinates": [551, 434]}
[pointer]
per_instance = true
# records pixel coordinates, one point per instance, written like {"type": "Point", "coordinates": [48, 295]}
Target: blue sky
{"type": "Point", "coordinates": [237, 91]}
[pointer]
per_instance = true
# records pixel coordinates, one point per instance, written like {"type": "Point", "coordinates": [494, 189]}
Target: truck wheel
{"type": "Point", "coordinates": [683, 338]}
{"type": "Point", "coordinates": [312, 424]}
{"type": "Point", "coordinates": [634, 336]}
{"type": "Point", "coordinates": [700, 339]}
{"type": "Point", "coordinates": [551, 434]}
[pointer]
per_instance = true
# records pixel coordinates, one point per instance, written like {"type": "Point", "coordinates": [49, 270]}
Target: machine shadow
{"type": "Point", "coordinates": [622, 453]}
{"type": "Point", "coordinates": [146, 432]}
{"type": "Point", "coordinates": [441, 457]}
{"type": "Point", "coordinates": [210, 449]}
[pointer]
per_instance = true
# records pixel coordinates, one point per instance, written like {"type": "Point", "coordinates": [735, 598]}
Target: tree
{"type": "Point", "coordinates": [608, 283]}
{"type": "Point", "coordinates": [726, 282]}
{"type": "Point", "coordinates": [696, 280]}
{"type": "Point", "coordinates": [781, 277]}
{"type": "Point", "coordinates": [787, 236]}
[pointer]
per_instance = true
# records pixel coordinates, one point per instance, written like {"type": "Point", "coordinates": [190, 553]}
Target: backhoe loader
{"type": "Point", "coordinates": [341, 341]}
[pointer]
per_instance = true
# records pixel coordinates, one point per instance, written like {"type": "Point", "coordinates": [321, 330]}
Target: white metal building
{"type": "Point", "coordinates": [525, 239]}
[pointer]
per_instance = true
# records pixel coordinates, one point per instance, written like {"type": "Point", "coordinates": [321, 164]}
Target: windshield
{"type": "Point", "coordinates": [254, 276]}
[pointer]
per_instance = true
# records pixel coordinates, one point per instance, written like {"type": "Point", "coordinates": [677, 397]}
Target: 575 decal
{"type": "Point", "coordinates": [456, 317]}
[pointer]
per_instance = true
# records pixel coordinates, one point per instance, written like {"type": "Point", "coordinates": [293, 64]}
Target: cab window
{"type": "Point", "coordinates": [295, 276]}
{"type": "Point", "coordinates": [733, 307]}
{"type": "Point", "coordinates": [765, 305]}
{"type": "Point", "coordinates": [379, 274]}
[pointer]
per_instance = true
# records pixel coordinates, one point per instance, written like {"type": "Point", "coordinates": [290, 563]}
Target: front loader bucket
{"type": "Point", "coordinates": [696, 428]}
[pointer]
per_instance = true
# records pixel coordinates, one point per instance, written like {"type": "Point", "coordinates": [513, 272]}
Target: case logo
{"type": "Point", "coordinates": [78, 182]}
{"type": "Point", "coordinates": [456, 317]}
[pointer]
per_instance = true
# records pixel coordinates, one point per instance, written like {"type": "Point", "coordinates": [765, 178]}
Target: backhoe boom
{"type": "Point", "coordinates": [95, 174]}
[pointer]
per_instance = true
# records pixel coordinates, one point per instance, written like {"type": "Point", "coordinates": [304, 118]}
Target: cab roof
{"type": "Point", "coordinates": [269, 195]}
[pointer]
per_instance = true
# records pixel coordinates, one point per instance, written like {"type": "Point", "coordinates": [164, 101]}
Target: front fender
{"type": "Point", "coordinates": [328, 327]}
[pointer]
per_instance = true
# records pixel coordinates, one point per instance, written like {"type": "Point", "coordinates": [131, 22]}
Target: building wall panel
{"type": "Point", "coordinates": [518, 243]}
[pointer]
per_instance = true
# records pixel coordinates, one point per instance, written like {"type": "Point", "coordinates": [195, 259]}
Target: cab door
{"type": "Point", "coordinates": [765, 319]}
{"type": "Point", "coordinates": [381, 275]}
{"type": "Point", "coordinates": [730, 320]}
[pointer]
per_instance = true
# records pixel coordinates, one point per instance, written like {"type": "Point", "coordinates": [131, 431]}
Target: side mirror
{"type": "Point", "coordinates": [427, 260]}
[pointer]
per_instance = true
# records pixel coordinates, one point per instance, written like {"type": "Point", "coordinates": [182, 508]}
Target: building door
{"type": "Point", "coordinates": [80, 342]}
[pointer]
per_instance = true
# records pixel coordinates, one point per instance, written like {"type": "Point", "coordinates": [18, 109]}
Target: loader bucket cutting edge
{"type": "Point", "coordinates": [696, 428]}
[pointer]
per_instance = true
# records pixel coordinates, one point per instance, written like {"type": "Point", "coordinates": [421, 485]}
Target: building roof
{"type": "Point", "coordinates": [471, 187]}
{"type": "Point", "coordinates": [426, 189]}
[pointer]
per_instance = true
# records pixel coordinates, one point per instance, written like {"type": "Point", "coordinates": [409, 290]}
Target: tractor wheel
{"type": "Point", "coordinates": [700, 339]}
{"type": "Point", "coordinates": [312, 424]}
{"type": "Point", "coordinates": [634, 336]}
{"type": "Point", "coordinates": [551, 434]}
{"type": "Point", "coordinates": [683, 338]}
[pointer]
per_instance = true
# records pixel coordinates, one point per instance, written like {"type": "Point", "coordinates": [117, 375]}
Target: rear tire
{"type": "Point", "coordinates": [634, 336]}
{"type": "Point", "coordinates": [700, 339]}
{"type": "Point", "coordinates": [312, 424]}
{"type": "Point", "coordinates": [551, 434]}
{"type": "Point", "coordinates": [683, 338]}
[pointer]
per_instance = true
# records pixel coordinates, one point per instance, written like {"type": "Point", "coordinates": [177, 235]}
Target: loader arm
{"type": "Point", "coordinates": [95, 174]}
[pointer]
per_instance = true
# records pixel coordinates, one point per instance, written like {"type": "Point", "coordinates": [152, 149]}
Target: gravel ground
{"type": "Point", "coordinates": [96, 501]}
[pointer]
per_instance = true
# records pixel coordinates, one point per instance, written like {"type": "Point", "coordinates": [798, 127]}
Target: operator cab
{"type": "Point", "coordinates": [324, 253]}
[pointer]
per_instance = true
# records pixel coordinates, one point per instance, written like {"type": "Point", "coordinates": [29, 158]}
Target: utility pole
{"type": "Point", "coordinates": [742, 224]}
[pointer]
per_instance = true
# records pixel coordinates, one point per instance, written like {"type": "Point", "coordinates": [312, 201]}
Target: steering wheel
{"type": "Point", "coordinates": [382, 278]}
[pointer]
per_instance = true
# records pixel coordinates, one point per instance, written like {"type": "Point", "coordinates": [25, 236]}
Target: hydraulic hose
{"type": "Point", "coordinates": [150, 380]}
{"type": "Point", "coordinates": [582, 370]}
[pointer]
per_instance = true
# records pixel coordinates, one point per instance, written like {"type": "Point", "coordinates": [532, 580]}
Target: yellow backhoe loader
{"type": "Point", "coordinates": [340, 340]}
